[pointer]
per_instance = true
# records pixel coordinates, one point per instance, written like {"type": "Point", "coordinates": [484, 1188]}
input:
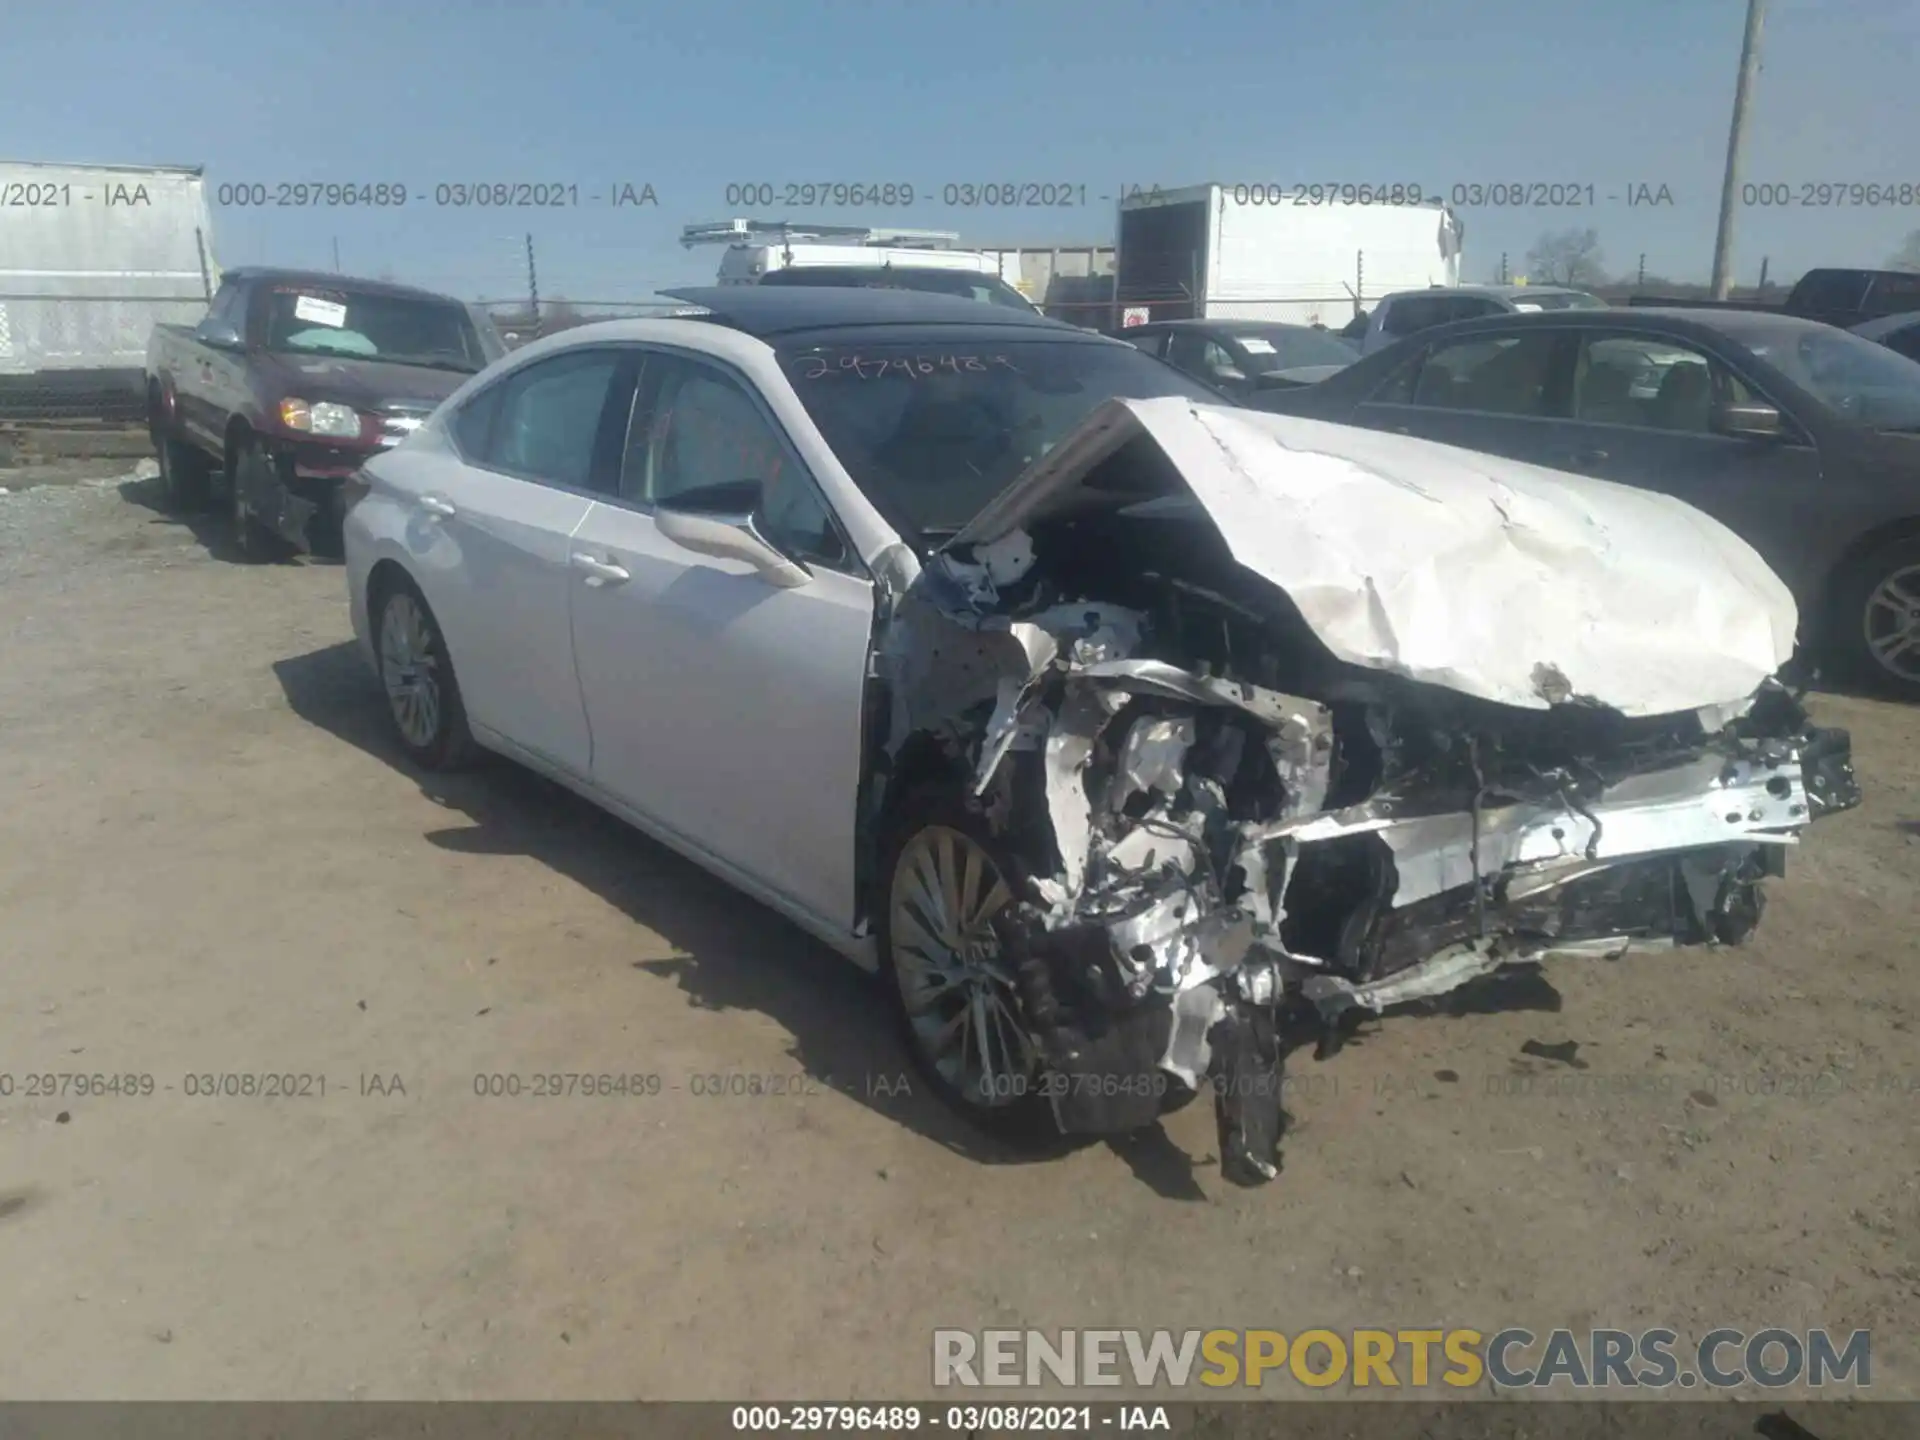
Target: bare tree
{"type": "Point", "coordinates": [1566, 257]}
{"type": "Point", "coordinates": [1907, 257]}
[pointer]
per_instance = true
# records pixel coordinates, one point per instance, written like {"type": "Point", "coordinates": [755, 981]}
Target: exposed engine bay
{"type": "Point", "coordinates": [1216, 823]}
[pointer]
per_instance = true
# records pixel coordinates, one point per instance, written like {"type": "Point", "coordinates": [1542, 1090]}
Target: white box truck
{"type": "Point", "coordinates": [1266, 252]}
{"type": "Point", "coordinates": [91, 257]}
{"type": "Point", "coordinates": [761, 252]}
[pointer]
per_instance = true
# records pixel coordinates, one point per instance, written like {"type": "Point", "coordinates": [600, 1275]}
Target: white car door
{"type": "Point", "coordinates": [490, 542]}
{"type": "Point", "coordinates": [725, 707]}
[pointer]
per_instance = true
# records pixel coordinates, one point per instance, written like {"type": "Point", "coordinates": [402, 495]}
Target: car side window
{"type": "Point", "coordinates": [1154, 345]}
{"type": "Point", "coordinates": [1495, 374]}
{"type": "Point", "coordinates": [697, 438]}
{"type": "Point", "coordinates": [1904, 342]}
{"type": "Point", "coordinates": [472, 425]}
{"type": "Point", "coordinates": [1188, 350]}
{"type": "Point", "coordinates": [546, 419]}
{"type": "Point", "coordinates": [1414, 313]}
{"type": "Point", "coordinates": [1651, 382]}
{"type": "Point", "coordinates": [227, 307]}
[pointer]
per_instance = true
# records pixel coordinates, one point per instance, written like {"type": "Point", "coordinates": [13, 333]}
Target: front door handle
{"type": "Point", "coordinates": [600, 572]}
{"type": "Point", "coordinates": [437, 507]}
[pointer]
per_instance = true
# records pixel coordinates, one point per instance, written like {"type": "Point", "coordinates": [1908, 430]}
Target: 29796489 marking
{"type": "Point", "coordinates": [865, 1419]}
{"type": "Point", "coordinates": [1052, 1084]}
{"type": "Point", "coordinates": [50, 1085]}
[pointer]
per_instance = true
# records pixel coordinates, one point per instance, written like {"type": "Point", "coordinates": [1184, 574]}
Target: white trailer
{"type": "Point", "coordinates": [1265, 252]}
{"type": "Point", "coordinates": [92, 256]}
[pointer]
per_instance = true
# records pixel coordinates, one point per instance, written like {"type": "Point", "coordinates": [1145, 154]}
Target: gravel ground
{"type": "Point", "coordinates": [212, 863]}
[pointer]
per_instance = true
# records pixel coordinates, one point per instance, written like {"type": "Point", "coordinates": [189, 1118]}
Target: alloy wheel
{"type": "Point", "coordinates": [960, 994]}
{"type": "Point", "coordinates": [1891, 623]}
{"type": "Point", "coordinates": [410, 669]}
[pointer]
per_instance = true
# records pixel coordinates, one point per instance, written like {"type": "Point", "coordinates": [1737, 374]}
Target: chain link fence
{"type": "Point", "coordinates": [76, 358]}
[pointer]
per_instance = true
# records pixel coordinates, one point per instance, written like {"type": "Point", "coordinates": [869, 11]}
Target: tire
{"type": "Point", "coordinates": [252, 541]}
{"type": "Point", "coordinates": [424, 707]}
{"type": "Point", "coordinates": [1876, 619]}
{"type": "Point", "coordinates": [186, 475]}
{"type": "Point", "coordinates": [930, 830]}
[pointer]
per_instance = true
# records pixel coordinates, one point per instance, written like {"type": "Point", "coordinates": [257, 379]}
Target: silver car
{"type": "Point", "coordinates": [1108, 722]}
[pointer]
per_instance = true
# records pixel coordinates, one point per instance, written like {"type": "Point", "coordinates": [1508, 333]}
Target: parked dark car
{"type": "Point", "coordinates": [929, 280]}
{"type": "Point", "coordinates": [1242, 356]}
{"type": "Point", "coordinates": [1899, 333]}
{"type": "Point", "coordinates": [1803, 438]}
{"type": "Point", "coordinates": [1834, 296]}
{"type": "Point", "coordinates": [1407, 312]}
{"type": "Point", "coordinates": [289, 383]}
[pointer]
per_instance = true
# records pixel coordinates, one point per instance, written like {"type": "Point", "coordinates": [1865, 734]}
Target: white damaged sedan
{"type": "Point", "coordinates": [1112, 725]}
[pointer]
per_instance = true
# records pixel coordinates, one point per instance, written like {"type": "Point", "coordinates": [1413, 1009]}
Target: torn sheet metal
{"type": "Point", "coordinates": [1505, 581]}
{"type": "Point", "coordinates": [1711, 801]}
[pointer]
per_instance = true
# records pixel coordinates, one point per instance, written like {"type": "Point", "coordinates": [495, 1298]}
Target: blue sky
{"type": "Point", "coordinates": [692, 95]}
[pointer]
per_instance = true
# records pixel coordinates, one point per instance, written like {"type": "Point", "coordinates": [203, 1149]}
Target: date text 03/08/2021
{"type": "Point", "coordinates": [1074, 194]}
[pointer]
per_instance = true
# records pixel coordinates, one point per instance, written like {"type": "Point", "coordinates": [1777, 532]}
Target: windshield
{"type": "Point", "coordinates": [1559, 300]}
{"type": "Point", "coordinates": [398, 329]}
{"type": "Point", "coordinates": [1293, 347]}
{"type": "Point", "coordinates": [1856, 379]}
{"type": "Point", "coordinates": [932, 432]}
{"type": "Point", "coordinates": [968, 285]}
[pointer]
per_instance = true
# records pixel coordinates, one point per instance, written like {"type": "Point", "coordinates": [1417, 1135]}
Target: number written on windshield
{"type": "Point", "coordinates": [914, 367]}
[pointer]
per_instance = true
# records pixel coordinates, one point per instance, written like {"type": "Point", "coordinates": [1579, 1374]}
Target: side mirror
{"type": "Point", "coordinates": [727, 535]}
{"type": "Point", "coordinates": [217, 333]}
{"type": "Point", "coordinates": [1752, 422]}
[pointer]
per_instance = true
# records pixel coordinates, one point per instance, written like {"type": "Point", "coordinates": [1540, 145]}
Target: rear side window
{"type": "Point", "coordinates": [473, 426]}
{"type": "Point", "coordinates": [1904, 342]}
{"type": "Point", "coordinates": [1154, 345]}
{"type": "Point", "coordinates": [545, 419]}
{"type": "Point", "coordinates": [1494, 374]}
{"type": "Point", "coordinates": [1832, 290]}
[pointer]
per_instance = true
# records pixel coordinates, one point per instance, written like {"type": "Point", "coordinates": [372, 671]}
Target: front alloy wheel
{"type": "Point", "coordinates": [954, 986]}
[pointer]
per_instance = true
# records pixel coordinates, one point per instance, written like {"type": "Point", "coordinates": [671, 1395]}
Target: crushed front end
{"type": "Point", "coordinates": [1218, 828]}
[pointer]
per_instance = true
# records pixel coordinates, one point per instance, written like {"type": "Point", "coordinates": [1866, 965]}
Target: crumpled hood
{"type": "Point", "coordinates": [1501, 580]}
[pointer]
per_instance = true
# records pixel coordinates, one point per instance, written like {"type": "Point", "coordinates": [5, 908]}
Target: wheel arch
{"type": "Point", "coordinates": [1887, 533]}
{"type": "Point", "coordinates": [236, 435]}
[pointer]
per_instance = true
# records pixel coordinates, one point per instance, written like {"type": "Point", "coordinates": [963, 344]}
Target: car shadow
{"type": "Point", "coordinates": [212, 527]}
{"type": "Point", "coordinates": [735, 954]}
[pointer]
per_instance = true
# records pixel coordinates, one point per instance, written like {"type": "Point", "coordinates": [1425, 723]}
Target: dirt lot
{"type": "Point", "coordinates": [212, 862]}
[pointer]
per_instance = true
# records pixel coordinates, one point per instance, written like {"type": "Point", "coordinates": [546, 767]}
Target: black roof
{"type": "Point", "coordinates": [326, 279]}
{"type": "Point", "coordinates": [765, 311]}
{"type": "Point", "coordinates": [1225, 327]}
{"type": "Point", "coordinates": [1650, 319]}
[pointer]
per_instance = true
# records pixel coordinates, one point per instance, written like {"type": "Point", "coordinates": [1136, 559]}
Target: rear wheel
{"type": "Point", "coordinates": [951, 984]}
{"type": "Point", "coordinates": [186, 475]}
{"type": "Point", "coordinates": [1877, 619]}
{"type": "Point", "coordinates": [423, 697]}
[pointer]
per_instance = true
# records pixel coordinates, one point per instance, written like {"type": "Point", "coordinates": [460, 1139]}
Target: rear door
{"type": "Point", "coordinates": [1642, 413]}
{"type": "Point", "coordinates": [725, 709]}
{"type": "Point", "coordinates": [1501, 391]}
{"type": "Point", "coordinates": [490, 539]}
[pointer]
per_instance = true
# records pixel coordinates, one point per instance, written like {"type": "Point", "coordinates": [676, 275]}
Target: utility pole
{"type": "Point", "coordinates": [1736, 139]}
{"type": "Point", "coordinates": [336, 254]}
{"type": "Point", "coordinates": [533, 285]}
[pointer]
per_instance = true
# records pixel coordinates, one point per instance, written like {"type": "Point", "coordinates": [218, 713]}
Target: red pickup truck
{"type": "Point", "coordinates": [291, 381]}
